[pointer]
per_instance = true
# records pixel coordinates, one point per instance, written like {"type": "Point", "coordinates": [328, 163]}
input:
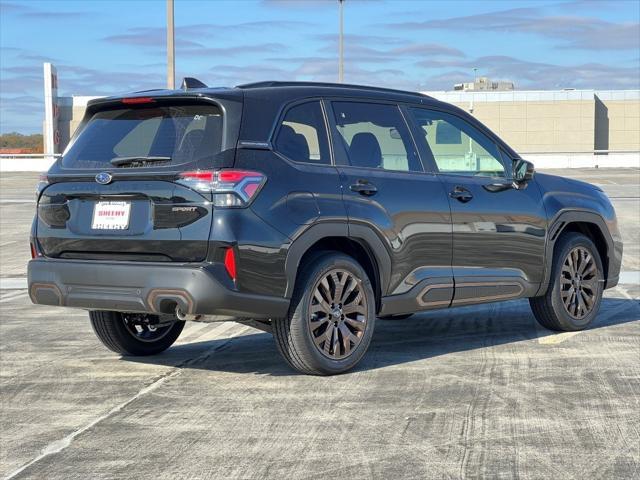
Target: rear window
{"type": "Point", "coordinates": [164, 135]}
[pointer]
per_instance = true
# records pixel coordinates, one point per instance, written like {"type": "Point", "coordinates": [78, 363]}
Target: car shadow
{"type": "Point", "coordinates": [422, 336]}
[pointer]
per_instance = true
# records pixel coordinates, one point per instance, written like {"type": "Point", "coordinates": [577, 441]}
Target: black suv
{"type": "Point", "coordinates": [306, 210]}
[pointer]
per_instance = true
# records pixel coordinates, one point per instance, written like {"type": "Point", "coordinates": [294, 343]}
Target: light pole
{"type": "Point", "coordinates": [475, 81]}
{"type": "Point", "coordinates": [171, 51]}
{"type": "Point", "coordinates": [340, 45]}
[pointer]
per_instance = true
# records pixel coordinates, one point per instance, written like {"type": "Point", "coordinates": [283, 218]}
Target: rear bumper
{"type": "Point", "coordinates": [142, 287]}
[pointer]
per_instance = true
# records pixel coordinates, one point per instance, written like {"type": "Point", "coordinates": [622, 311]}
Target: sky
{"type": "Point", "coordinates": [103, 47]}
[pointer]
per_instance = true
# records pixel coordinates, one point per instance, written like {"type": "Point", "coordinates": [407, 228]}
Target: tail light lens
{"type": "Point", "coordinates": [229, 188]}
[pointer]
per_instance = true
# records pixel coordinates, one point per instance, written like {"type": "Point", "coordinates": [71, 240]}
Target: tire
{"type": "Point", "coordinates": [316, 338]}
{"type": "Point", "coordinates": [116, 331]}
{"type": "Point", "coordinates": [402, 316]}
{"type": "Point", "coordinates": [559, 308]}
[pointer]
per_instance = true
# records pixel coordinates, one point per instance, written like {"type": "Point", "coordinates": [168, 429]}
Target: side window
{"type": "Point", "coordinates": [458, 148]}
{"type": "Point", "coordinates": [302, 136]}
{"type": "Point", "coordinates": [373, 136]}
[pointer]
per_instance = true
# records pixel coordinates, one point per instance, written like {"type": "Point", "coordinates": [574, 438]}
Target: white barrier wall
{"type": "Point", "coordinates": [540, 160]}
{"type": "Point", "coordinates": [25, 164]}
{"type": "Point", "coordinates": [583, 160]}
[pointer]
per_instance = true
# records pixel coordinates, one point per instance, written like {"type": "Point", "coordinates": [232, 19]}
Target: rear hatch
{"type": "Point", "coordinates": [116, 192]}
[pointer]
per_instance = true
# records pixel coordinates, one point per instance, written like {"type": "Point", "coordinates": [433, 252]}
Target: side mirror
{"type": "Point", "coordinates": [522, 171]}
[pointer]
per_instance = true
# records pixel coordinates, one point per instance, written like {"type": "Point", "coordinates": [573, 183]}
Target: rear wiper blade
{"type": "Point", "coordinates": [118, 161]}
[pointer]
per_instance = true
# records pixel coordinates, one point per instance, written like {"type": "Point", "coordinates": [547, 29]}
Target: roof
{"type": "Point", "coordinates": [341, 86]}
{"type": "Point", "coordinates": [295, 90]}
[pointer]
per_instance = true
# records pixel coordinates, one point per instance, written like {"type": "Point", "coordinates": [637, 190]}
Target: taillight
{"type": "Point", "coordinates": [229, 188]}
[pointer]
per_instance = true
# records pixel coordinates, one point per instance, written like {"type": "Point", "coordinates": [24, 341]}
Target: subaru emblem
{"type": "Point", "coordinates": [103, 178]}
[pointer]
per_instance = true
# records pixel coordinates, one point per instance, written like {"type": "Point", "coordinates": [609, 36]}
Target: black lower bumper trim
{"type": "Point", "coordinates": [148, 287]}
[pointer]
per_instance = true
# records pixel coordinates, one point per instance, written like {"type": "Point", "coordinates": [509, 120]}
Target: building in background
{"type": "Point", "coordinates": [71, 113]}
{"type": "Point", "coordinates": [62, 115]}
{"type": "Point", "coordinates": [556, 121]}
{"type": "Point", "coordinates": [483, 83]}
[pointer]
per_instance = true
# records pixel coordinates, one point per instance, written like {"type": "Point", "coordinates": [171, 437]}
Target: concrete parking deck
{"type": "Point", "coordinates": [462, 393]}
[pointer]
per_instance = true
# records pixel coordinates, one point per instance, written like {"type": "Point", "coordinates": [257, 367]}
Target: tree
{"type": "Point", "coordinates": [32, 142]}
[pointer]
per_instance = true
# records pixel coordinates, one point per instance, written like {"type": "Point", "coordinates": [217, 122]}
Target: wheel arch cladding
{"type": "Point", "coordinates": [356, 248]}
{"type": "Point", "coordinates": [593, 232]}
{"type": "Point", "coordinates": [589, 224]}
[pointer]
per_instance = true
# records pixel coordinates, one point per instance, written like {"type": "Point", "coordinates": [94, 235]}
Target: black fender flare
{"type": "Point", "coordinates": [558, 224]}
{"type": "Point", "coordinates": [359, 233]}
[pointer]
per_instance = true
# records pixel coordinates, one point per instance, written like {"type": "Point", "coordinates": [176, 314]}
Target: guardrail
{"type": "Point", "coordinates": [22, 162]}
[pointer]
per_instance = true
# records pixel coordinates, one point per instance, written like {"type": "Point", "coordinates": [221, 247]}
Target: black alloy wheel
{"type": "Point", "coordinates": [579, 283]}
{"type": "Point", "coordinates": [338, 314]}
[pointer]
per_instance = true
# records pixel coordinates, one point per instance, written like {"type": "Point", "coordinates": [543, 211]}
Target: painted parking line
{"type": "Point", "coordinates": [13, 283]}
{"type": "Point", "coordinates": [12, 296]}
{"type": "Point", "coordinates": [630, 277]}
{"type": "Point", "coordinates": [545, 337]}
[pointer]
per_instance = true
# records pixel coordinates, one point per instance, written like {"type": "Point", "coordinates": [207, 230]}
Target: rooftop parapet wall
{"type": "Point", "coordinates": [557, 121]}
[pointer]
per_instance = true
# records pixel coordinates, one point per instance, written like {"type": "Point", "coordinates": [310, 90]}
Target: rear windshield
{"type": "Point", "coordinates": [147, 137]}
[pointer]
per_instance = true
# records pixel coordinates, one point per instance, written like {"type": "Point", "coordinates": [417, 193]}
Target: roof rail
{"type": "Point", "coordinates": [190, 82]}
{"type": "Point", "coordinates": [274, 83]}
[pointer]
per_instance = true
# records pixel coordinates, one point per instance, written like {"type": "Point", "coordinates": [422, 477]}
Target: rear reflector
{"type": "Point", "coordinates": [230, 263]}
{"type": "Point", "coordinates": [34, 252]}
{"type": "Point", "coordinates": [137, 100]}
{"type": "Point", "coordinates": [230, 188]}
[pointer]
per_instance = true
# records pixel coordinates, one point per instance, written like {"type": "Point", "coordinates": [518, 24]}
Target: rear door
{"type": "Point", "coordinates": [114, 194]}
{"type": "Point", "coordinates": [386, 189]}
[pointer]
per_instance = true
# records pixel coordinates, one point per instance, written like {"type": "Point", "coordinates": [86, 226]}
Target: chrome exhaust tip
{"type": "Point", "coordinates": [186, 317]}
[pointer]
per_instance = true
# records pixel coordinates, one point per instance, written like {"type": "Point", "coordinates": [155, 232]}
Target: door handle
{"type": "Point", "coordinates": [461, 194]}
{"type": "Point", "coordinates": [363, 187]}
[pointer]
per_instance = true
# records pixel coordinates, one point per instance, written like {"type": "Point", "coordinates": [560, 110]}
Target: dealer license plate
{"type": "Point", "coordinates": [111, 216]}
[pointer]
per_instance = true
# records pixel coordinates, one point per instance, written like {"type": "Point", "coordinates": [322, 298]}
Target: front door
{"type": "Point", "coordinates": [386, 190]}
{"type": "Point", "coordinates": [498, 231]}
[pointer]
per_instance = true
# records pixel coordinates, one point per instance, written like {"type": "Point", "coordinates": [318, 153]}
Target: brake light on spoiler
{"type": "Point", "coordinates": [229, 188]}
{"type": "Point", "coordinates": [137, 100]}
